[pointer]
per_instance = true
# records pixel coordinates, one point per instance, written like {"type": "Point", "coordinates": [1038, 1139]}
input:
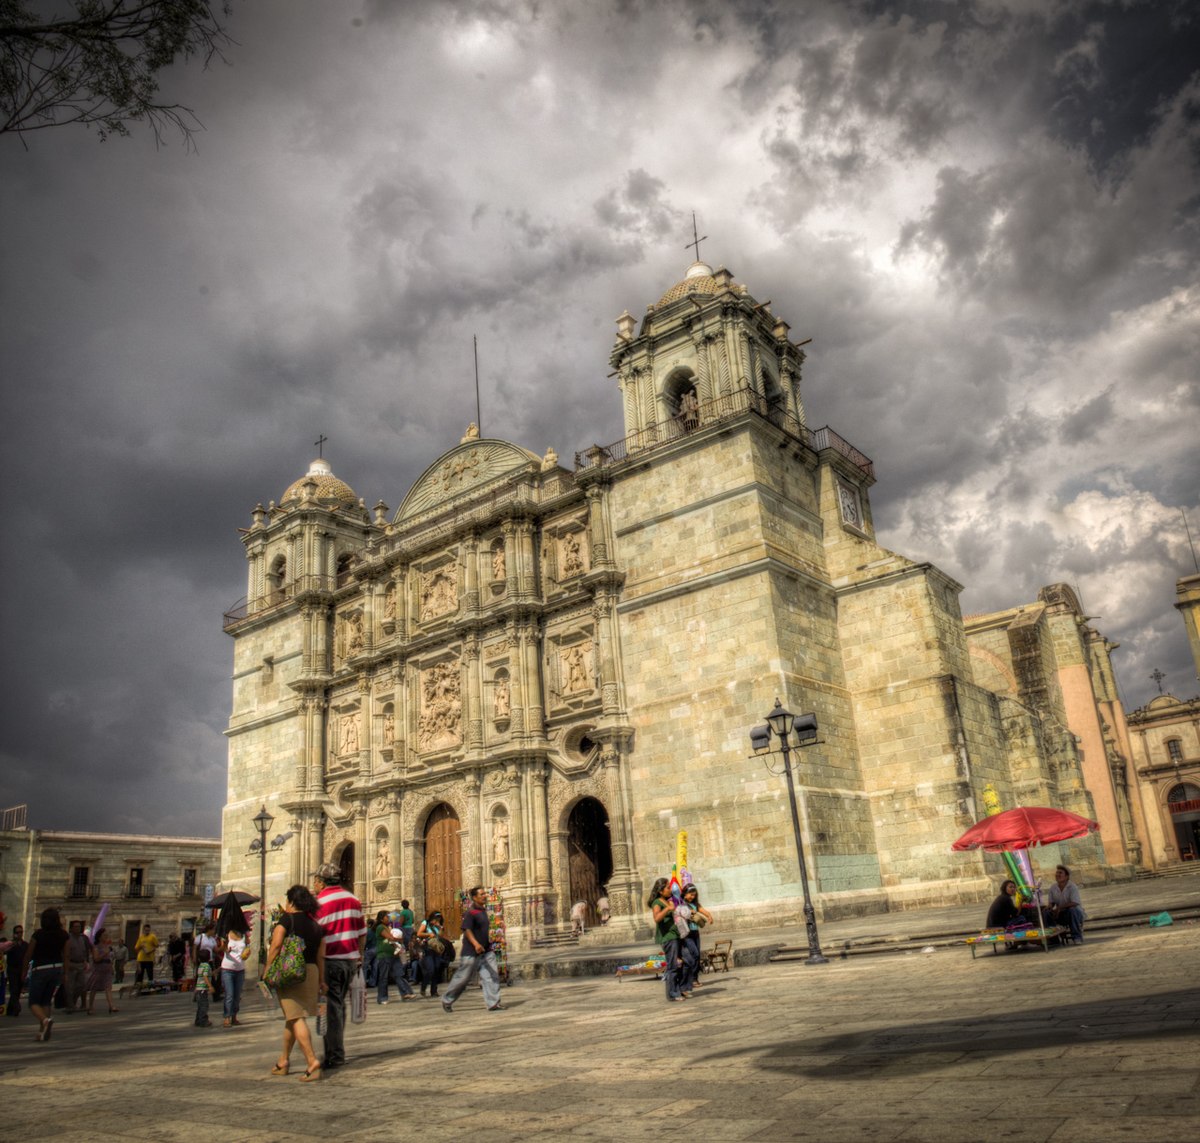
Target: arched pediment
{"type": "Point", "coordinates": [466, 466]}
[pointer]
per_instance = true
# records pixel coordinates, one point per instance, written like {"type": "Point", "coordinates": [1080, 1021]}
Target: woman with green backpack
{"type": "Point", "coordinates": [295, 968]}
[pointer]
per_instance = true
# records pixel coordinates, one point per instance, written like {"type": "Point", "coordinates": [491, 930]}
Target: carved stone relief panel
{"type": "Point", "coordinates": [344, 733]}
{"type": "Point", "coordinates": [348, 639]}
{"type": "Point", "coordinates": [572, 669]}
{"type": "Point", "coordinates": [439, 590]}
{"type": "Point", "coordinates": [572, 554]}
{"type": "Point", "coordinates": [440, 724]}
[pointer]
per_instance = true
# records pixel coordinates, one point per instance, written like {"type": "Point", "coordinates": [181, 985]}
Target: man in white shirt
{"type": "Point", "coordinates": [1066, 907]}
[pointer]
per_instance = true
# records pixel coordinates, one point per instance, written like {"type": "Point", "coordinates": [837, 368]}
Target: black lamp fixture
{"type": "Point", "coordinates": [783, 724]}
{"type": "Point", "coordinates": [262, 823]}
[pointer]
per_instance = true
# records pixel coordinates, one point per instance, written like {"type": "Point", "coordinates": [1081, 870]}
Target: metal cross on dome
{"type": "Point", "coordinates": [1158, 677]}
{"type": "Point", "coordinates": [696, 239]}
{"type": "Point", "coordinates": [319, 444]}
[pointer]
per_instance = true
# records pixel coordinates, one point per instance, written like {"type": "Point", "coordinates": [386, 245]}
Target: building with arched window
{"type": "Point", "coordinates": [534, 676]}
{"type": "Point", "coordinates": [1165, 735]}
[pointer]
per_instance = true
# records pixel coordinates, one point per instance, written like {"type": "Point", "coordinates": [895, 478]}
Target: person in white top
{"type": "Point", "coordinates": [1066, 906]}
{"type": "Point", "coordinates": [234, 951]}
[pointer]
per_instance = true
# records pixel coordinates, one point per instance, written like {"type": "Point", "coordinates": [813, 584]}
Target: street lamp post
{"type": "Point", "coordinates": [784, 723]}
{"type": "Point", "coordinates": [262, 822]}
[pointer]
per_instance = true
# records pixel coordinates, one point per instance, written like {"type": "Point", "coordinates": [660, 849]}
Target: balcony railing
{"type": "Point", "coordinates": [189, 891]}
{"type": "Point", "coordinates": [720, 409]}
{"type": "Point", "coordinates": [85, 891]}
{"type": "Point", "coordinates": [138, 891]}
{"type": "Point", "coordinates": [278, 597]}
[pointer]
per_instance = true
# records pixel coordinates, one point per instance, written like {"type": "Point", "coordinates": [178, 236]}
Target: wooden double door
{"type": "Point", "coordinates": [443, 867]}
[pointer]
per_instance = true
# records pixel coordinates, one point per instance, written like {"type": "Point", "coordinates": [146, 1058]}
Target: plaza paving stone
{"type": "Point", "coordinates": [1099, 1042]}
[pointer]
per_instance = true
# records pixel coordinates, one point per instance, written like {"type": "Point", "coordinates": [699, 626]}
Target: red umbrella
{"type": "Point", "coordinates": [1023, 828]}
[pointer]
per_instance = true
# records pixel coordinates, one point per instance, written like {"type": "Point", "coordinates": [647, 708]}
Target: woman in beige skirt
{"type": "Point", "coordinates": [299, 1000]}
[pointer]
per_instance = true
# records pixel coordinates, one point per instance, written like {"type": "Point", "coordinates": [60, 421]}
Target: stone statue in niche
{"type": "Point", "coordinates": [383, 859]}
{"type": "Point", "coordinates": [500, 842]}
{"type": "Point", "coordinates": [575, 661]}
{"type": "Point", "coordinates": [498, 569]}
{"type": "Point", "coordinates": [689, 409]}
{"type": "Point", "coordinates": [572, 558]}
{"type": "Point", "coordinates": [502, 702]}
{"type": "Point", "coordinates": [389, 603]}
{"type": "Point", "coordinates": [440, 723]}
{"type": "Point", "coordinates": [354, 634]}
{"type": "Point", "coordinates": [348, 734]}
{"type": "Point", "coordinates": [439, 593]}
{"type": "Point", "coordinates": [389, 728]}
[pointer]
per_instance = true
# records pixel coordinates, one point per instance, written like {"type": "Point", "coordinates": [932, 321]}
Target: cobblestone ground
{"type": "Point", "coordinates": [1092, 1043]}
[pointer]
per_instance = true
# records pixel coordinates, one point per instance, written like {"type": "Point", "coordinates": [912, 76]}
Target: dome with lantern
{"type": "Point", "coordinates": [330, 490]}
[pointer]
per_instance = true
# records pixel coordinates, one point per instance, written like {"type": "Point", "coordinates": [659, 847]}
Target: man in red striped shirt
{"type": "Point", "coordinates": [344, 933]}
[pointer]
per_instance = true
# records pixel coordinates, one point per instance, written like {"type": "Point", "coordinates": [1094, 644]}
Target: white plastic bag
{"type": "Point", "coordinates": [358, 998]}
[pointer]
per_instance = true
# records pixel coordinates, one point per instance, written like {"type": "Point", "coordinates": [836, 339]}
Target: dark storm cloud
{"type": "Point", "coordinates": [983, 213]}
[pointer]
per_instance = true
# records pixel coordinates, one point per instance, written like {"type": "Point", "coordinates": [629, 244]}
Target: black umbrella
{"type": "Point", "coordinates": [238, 896]}
{"type": "Point", "coordinates": [232, 915]}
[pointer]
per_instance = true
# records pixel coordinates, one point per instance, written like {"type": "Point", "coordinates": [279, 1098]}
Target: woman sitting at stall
{"type": "Point", "coordinates": [1004, 909]}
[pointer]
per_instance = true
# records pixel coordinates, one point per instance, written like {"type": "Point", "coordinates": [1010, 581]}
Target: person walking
{"type": "Point", "coordinates": [46, 959]}
{"type": "Point", "coordinates": [234, 951]}
{"type": "Point", "coordinates": [344, 935]}
{"type": "Point", "coordinates": [429, 946]}
{"type": "Point", "coordinates": [300, 999]}
{"type": "Point", "coordinates": [203, 987]}
{"type": "Point", "coordinates": [100, 971]}
{"type": "Point", "coordinates": [176, 952]}
{"type": "Point", "coordinates": [120, 959]}
{"type": "Point", "coordinates": [14, 967]}
{"type": "Point", "coordinates": [389, 965]}
{"type": "Point", "coordinates": [476, 956]}
{"type": "Point", "coordinates": [689, 945]}
{"type": "Point", "coordinates": [662, 909]}
{"type": "Point", "coordinates": [145, 950]}
{"type": "Point", "coordinates": [75, 980]}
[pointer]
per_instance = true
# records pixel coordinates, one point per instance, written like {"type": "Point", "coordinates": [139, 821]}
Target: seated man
{"type": "Point", "coordinates": [1066, 908]}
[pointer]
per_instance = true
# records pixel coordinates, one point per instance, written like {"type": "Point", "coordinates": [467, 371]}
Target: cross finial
{"type": "Point", "coordinates": [1158, 677]}
{"type": "Point", "coordinates": [696, 239]}
{"type": "Point", "coordinates": [319, 444]}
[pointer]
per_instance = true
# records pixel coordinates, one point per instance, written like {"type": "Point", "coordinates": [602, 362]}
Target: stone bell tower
{"type": "Point", "coordinates": [300, 554]}
{"type": "Point", "coordinates": [705, 341]}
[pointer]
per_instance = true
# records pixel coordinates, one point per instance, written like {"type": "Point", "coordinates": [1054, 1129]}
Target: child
{"type": "Point", "coordinates": [203, 988]}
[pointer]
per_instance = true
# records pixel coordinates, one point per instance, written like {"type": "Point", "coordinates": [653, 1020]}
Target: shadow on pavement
{"type": "Point", "coordinates": [915, 1048]}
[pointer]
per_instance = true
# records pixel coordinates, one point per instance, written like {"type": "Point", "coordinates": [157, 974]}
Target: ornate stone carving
{"type": "Point", "coordinates": [349, 636]}
{"type": "Point", "coordinates": [389, 602]}
{"type": "Point", "coordinates": [550, 460]}
{"type": "Point", "coordinates": [439, 592]}
{"type": "Point", "coordinates": [575, 673]}
{"type": "Point", "coordinates": [389, 728]}
{"type": "Point", "coordinates": [349, 736]}
{"type": "Point", "coordinates": [440, 724]}
{"type": "Point", "coordinates": [501, 701]}
{"type": "Point", "coordinates": [500, 842]}
{"type": "Point", "coordinates": [383, 858]}
{"type": "Point", "coordinates": [499, 569]}
{"type": "Point", "coordinates": [570, 555]}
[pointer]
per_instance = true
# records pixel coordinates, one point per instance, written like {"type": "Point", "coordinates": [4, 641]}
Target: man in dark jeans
{"type": "Point", "coordinates": [344, 933]}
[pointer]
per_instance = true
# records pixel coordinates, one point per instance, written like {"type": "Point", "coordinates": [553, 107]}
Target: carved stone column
{"type": "Point", "coordinates": [473, 864]}
{"type": "Point", "coordinates": [528, 650]}
{"type": "Point", "coordinates": [525, 561]}
{"type": "Point", "coordinates": [704, 392]}
{"type": "Point", "coordinates": [538, 777]}
{"type": "Point", "coordinates": [606, 632]}
{"type": "Point", "coordinates": [598, 530]}
{"type": "Point", "coordinates": [362, 855]}
{"type": "Point", "coordinates": [471, 577]}
{"type": "Point", "coordinates": [366, 741]}
{"type": "Point", "coordinates": [395, 825]}
{"type": "Point", "coordinates": [473, 708]}
{"type": "Point", "coordinates": [518, 862]}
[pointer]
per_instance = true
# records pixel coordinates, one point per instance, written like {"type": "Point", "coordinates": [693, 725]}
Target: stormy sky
{"type": "Point", "coordinates": [983, 213]}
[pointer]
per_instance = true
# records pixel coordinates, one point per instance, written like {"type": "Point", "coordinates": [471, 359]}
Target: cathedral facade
{"type": "Point", "coordinates": [533, 676]}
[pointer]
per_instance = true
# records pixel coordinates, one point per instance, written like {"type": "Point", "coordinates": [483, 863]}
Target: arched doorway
{"type": "Point", "coordinates": [1183, 801]}
{"type": "Point", "coordinates": [346, 865]}
{"type": "Point", "coordinates": [443, 865]}
{"type": "Point", "coordinates": [589, 854]}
